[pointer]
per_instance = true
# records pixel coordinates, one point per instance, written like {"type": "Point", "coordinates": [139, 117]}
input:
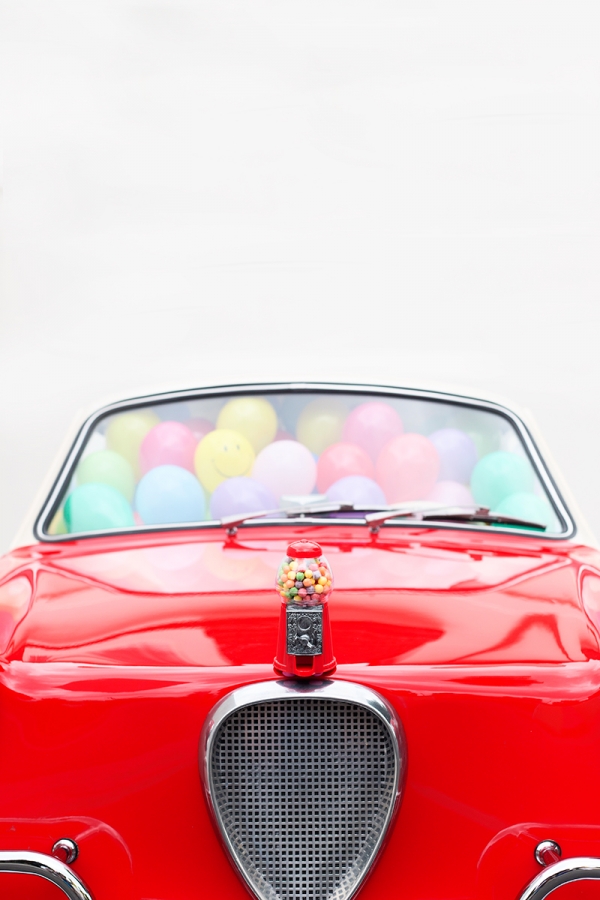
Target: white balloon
{"type": "Point", "coordinates": [286, 467]}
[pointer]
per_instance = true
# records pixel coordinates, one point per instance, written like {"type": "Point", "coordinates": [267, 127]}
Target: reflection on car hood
{"type": "Point", "coordinates": [417, 598]}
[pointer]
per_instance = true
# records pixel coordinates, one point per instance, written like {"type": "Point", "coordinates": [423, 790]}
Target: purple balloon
{"type": "Point", "coordinates": [458, 454]}
{"type": "Point", "coordinates": [357, 489]}
{"type": "Point", "coordinates": [240, 495]}
{"type": "Point", "coordinates": [451, 493]}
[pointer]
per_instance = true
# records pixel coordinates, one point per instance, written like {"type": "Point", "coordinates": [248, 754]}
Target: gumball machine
{"type": "Point", "coordinates": [304, 583]}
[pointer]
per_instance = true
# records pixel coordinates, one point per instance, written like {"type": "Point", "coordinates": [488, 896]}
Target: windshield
{"type": "Point", "coordinates": [204, 458]}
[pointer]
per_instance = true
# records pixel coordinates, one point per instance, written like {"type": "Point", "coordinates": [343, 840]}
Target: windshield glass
{"type": "Point", "coordinates": [201, 459]}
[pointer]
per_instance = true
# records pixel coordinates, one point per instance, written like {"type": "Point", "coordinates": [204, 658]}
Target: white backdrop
{"type": "Point", "coordinates": [198, 192]}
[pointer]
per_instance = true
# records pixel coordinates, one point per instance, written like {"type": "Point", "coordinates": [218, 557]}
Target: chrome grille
{"type": "Point", "coordinates": [303, 789]}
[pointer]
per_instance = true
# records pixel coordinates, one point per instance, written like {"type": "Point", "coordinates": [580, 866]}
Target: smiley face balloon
{"type": "Point", "coordinates": [222, 454]}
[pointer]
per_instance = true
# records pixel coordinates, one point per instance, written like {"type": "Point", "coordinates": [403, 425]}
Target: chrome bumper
{"type": "Point", "coordinates": [45, 867]}
{"type": "Point", "coordinates": [578, 868]}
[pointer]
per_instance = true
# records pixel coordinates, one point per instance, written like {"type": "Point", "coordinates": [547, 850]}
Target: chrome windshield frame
{"type": "Point", "coordinates": [51, 504]}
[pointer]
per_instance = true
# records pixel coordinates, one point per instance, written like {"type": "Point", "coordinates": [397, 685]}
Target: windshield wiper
{"type": "Point", "coordinates": [457, 514]}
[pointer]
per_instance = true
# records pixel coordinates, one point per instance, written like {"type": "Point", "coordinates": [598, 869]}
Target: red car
{"type": "Point", "coordinates": [298, 642]}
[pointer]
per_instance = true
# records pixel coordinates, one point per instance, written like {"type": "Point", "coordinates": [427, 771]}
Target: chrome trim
{"type": "Point", "coordinates": [578, 868]}
{"type": "Point", "coordinates": [68, 847]}
{"type": "Point", "coordinates": [46, 867]}
{"type": "Point", "coordinates": [543, 849]}
{"type": "Point", "coordinates": [265, 691]}
{"type": "Point", "coordinates": [304, 387]}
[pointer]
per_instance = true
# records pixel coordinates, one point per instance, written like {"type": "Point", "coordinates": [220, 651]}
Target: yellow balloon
{"type": "Point", "coordinates": [320, 423]}
{"type": "Point", "coordinates": [126, 432]}
{"type": "Point", "coordinates": [58, 524]}
{"type": "Point", "coordinates": [222, 454]}
{"type": "Point", "coordinates": [254, 417]}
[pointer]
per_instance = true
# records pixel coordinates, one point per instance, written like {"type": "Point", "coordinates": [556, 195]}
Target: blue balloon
{"type": "Point", "coordinates": [356, 489]}
{"type": "Point", "coordinates": [240, 495]}
{"type": "Point", "coordinates": [169, 495]}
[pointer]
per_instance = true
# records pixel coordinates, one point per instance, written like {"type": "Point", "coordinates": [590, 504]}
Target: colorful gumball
{"type": "Point", "coordinates": [451, 493]}
{"type": "Point", "coordinates": [240, 495]}
{"type": "Point", "coordinates": [222, 454]}
{"type": "Point", "coordinates": [169, 495]}
{"type": "Point", "coordinates": [199, 428]}
{"type": "Point", "coordinates": [286, 467]}
{"type": "Point", "coordinates": [126, 432]}
{"type": "Point", "coordinates": [358, 490]}
{"type": "Point", "coordinates": [526, 506]}
{"type": "Point", "coordinates": [96, 507]}
{"type": "Point", "coordinates": [168, 444]}
{"type": "Point", "coordinates": [498, 475]}
{"type": "Point", "coordinates": [458, 454]}
{"type": "Point", "coordinates": [340, 460]}
{"type": "Point", "coordinates": [407, 468]}
{"type": "Point", "coordinates": [107, 467]}
{"type": "Point", "coordinates": [371, 425]}
{"type": "Point", "coordinates": [321, 423]}
{"type": "Point", "coordinates": [254, 417]}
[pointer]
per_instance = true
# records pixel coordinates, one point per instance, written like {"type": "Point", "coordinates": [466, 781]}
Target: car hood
{"type": "Point", "coordinates": [409, 596]}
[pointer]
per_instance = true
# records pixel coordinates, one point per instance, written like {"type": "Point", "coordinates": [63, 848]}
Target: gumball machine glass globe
{"type": "Point", "coordinates": [304, 576]}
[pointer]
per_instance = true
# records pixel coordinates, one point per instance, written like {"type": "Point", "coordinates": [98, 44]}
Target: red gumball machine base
{"type": "Point", "coordinates": [304, 644]}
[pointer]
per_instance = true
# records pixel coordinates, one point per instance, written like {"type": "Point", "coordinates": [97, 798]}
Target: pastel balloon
{"type": "Point", "coordinates": [356, 489]}
{"type": "Point", "coordinates": [371, 425]}
{"type": "Point", "coordinates": [254, 417]}
{"type": "Point", "coordinates": [58, 524]}
{"type": "Point", "coordinates": [168, 444]}
{"type": "Point", "coordinates": [169, 494]}
{"type": "Point", "coordinates": [283, 435]}
{"type": "Point", "coordinates": [107, 467]}
{"type": "Point", "coordinates": [240, 495]}
{"type": "Point", "coordinates": [222, 454]}
{"type": "Point", "coordinates": [451, 493]}
{"type": "Point", "coordinates": [96, 507]}
{"type": "Point", "coordinates": [340, 460]}
{"type": "Point", "coordinates": [286, 467]}
{"type": "Point", "coordinates": [199, 427]}
{"type": "Point", "coordinates": [498, 475]}
{"type": "Point", "coordinates": [407, 468]}
{"type": "Point", "coordinates": [526, 506]}
{"type": "Point", "coordinates": [458, 454]}
{"type": "Point", "coordinates": [321, 423]}
{"type": "Point", "coordinates": [126, 432]}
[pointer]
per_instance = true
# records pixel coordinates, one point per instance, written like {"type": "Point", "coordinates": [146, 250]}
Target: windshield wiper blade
{"type": "Point", "coordinates": [392, 510]}
{"type": "Point", "coordinates": [456, 514]}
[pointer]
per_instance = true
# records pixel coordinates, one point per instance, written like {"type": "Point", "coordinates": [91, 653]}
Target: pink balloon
{"type": "Point", "coordinates": [286, 467]}
{"type": "Point", "coordinates": [283, 435]}
{"type": "Point", "coordinates": [168, 443]}
{"type": "Point", "coordinates": [407, 468]}
{"type": "Point", "coordinates": [371, 425]}
{"type": "Point", "coordinates": [451, 493]}
{"type": "Point", "coordinates": [200, 428]}
{"type": "Point", "coordinates": [339, 461]}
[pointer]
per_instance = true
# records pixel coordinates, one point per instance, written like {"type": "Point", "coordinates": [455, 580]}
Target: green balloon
{"type": "Point", "coordinates": [107, 467]}
{"type": "Point", "coordinates": [497, 476]}
{"type": "Point", "coordinates": [527, 506]}
{"type": "Point", "coordinates": [96, 507]}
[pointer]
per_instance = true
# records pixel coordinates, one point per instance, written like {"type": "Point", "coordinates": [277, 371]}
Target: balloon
{"type": "Point", "coordinates": [286, 467]}
{"type": "Point", "coordinates": [107, 467]}
{"type": "Point", "coordinates": [407, 468]}
{"type": "Point", "coordinates": [222, 454]}
{"type": "Point", "coordinates": [126, 432]}
{"type": "Point", "coordinates": [371, 425]}
{"type": "Point", "coordinates": [458, 454]}
{"type": "Point", "coordinates": [451, 493]}
{"type": "Point", "coordinates": [358, 490]}
{"type": "Point", "coordinates": [168, 444]}
{"type": "Point", "coordinates": [498, 475]}
{"type": "Point", "coordinates": [526, 506]}
{"type": "Point", "coordinates": [320, 423]}
{"type": "Point", "coordinates": [199, 427]}
{"type": "Point", "coordinates": [340, 460]}
{"type": "Point", "coordinates": [254, 417]}
{"type": "Point", "coordinates": [240, 495]}
{"type": "Point", "coordinates": [58, 524]}
{"type": "Point", "coordinates": [168, 495]}
{"type": "Point", "coordinates": [96, 507]}
{"type": "Point", "coordinates": [283, 435]}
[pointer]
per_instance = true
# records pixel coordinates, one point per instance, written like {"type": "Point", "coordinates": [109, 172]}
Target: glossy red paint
{"type": "Point", "coordinates": [486, 644]}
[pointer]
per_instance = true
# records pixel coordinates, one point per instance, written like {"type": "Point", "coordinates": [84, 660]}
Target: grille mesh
{"type": "Point", "coordinates": [303, 788]}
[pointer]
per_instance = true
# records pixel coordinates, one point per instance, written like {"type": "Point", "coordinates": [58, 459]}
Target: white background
{"type": "Point", "coordinates": [198, 192]}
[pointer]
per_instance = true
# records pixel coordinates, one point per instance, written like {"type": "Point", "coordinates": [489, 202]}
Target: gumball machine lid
{"type": "Point", "coordinates": [304, 549]}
